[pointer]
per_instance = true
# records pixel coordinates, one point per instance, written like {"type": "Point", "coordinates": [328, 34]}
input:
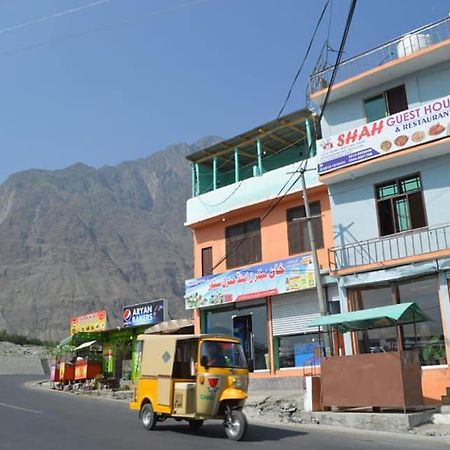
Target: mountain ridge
{"type": "Point", "coordinates": [80, 239]}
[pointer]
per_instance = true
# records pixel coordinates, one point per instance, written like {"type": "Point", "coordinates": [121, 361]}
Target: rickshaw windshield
{"type": "Point", "coordinates": [223, 354]}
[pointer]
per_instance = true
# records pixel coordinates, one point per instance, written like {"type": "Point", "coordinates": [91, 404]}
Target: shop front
{"type": "Point", "coordinates": [93, 349]}
{"type": "Point", "coordinates": [268, 308]}
{"type": "Point", "coordinates": [429, 290]}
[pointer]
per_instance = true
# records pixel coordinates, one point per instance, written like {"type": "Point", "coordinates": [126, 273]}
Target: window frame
{"type": "Point", "coordinates": [386, 102]}
{"type": "Point", "coordinates": [355, 303]}
{"type": "Point", "coordinates": [397, 182]}
{"type": "Point", "coordinates": [289, 223]}
{"type": "Point", "coordinates": [230, 243]}
{"type": "Point", "coordinates": [210, 271]}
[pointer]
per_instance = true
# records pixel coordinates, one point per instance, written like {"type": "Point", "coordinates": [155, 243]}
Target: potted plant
{"type": "Point", "coordinates": [434, 351]}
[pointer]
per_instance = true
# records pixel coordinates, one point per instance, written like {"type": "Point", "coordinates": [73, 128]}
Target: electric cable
{"type": "Point", "coordinates": [99, 29]}
{"type": "Point", "coordinates": [279, 197]}
{"type": "Point", "coordinates": [53, 16]}
{"type": "Point", "coordinates": [304, 60]}
{"type": "Point", "coordinates": [339, 56]}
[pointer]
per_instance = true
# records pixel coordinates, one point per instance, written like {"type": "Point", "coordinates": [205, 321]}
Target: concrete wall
{"type": "Point", "coordinates": [247, 192]}
{"type": "Point", "coordinates": [421, 87]}
{"type": "Point", "coordinates": [353, 202]}
{"type": "Point", "coordinates": [19, 365]}
{"type": "Point", "coordinates": [274, 233]}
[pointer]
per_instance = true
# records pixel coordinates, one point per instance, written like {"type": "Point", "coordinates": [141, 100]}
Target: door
{"type": "Point", "coordinates": [242, 329]}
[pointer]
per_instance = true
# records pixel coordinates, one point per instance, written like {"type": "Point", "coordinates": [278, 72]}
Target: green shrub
{"type": "Point", "coordinates": [24, 340]}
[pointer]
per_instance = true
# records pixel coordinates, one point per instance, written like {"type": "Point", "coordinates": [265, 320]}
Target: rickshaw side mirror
{"type": "Point", "coordinates": [251, 366]}
{"type": "Point", "coordinates": [204, 361]}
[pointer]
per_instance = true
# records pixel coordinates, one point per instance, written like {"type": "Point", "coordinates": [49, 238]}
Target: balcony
{"type": "Point", "coordinates": [430, 37]}
{"type": "Point", "coordinates": [391, 250]}
{"type": "Point", "coordinates": [268, 147]}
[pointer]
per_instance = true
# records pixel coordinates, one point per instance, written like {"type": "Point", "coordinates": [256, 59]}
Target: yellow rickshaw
{"type": "Point", "coordinates": [192, 378]}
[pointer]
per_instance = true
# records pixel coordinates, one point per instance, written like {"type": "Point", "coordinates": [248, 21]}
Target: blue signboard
{"type": "Point", "coordinates": [277, 277]}
{"type": "Point", "coordinates": [149, 313]}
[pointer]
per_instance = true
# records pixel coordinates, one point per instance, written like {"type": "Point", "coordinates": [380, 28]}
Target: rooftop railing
{"type": "Point", "coordinates": [395, 49]}
{"type": "Point", "coordinates": [389, 248]}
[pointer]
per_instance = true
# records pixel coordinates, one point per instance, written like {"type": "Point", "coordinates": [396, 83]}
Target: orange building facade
{"type": "Point", "coordinates": [253, 273]}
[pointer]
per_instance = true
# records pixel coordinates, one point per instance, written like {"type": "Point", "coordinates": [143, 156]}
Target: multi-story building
{"type": "Point", "coordinates": [385, 158]}
{"type": "Point", "coordinates": [252, 264]}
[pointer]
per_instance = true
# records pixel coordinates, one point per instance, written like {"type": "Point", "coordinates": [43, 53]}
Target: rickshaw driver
{"type": "Point", "coordinates": [214, 352]}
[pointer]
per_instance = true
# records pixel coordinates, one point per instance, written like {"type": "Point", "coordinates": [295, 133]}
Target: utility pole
{"type": "Point", "coordinates": [312, 241]}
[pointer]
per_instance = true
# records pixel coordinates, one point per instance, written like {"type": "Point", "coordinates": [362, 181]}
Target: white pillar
{"type": "Point", "coordinates": [343, 300]}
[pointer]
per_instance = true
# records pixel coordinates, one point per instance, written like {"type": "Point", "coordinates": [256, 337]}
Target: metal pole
{"type": "Point", "coordinates": [193, 179]}
{"type": "Point", "coordinates": [320, 297]}
{"type": "Point", "coordinates": [215, 173]}
{"type": "Point", "coordinates": [197, 179]}
{"type": "Point", "coordinates": [259, 152]}
{"type": "Point", "coordinates": [236, 165]}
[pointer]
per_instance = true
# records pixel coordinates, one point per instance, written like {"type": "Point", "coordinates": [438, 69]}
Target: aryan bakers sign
{"type": "Point", "coordinates": [405, 129]}
{"type": "Point", "coordinates": [149, 313]}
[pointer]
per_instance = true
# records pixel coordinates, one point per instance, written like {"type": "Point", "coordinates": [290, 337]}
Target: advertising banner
{"type": "Point", "coordinates": [149, 313]}
{"type": "Point", "coordinates": [408, 128]}
{"type": "Point", "coordinates": [278, 277]}
{"type": "Point", "coordinates": [95, 321]}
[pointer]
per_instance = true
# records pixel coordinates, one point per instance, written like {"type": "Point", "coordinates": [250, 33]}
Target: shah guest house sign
{"type": "Point", "coordinates": [408, 128]}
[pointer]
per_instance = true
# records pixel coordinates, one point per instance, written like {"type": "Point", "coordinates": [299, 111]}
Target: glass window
{"type": "Point", "coordinates": [223, 354]}
{"type": "Point", "coordinates": [383, 339]}
{"type": "Point", "coordinates": [400, 205]}
{"type": "Point", "coordinates": [390, 102]}
{"type": "Point", "coordinates": [253, 335]}
{"type": "Point", "coordinates": [298, 236]}
{"type": "Point", "coordinates": [430, 336]}
{"type": "Point", "coordinates": [375, 108]}
{"type": "Point", "coordinates": [301, 350]}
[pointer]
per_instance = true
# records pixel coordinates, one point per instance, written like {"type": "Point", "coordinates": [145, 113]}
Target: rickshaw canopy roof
{"type": "Point", "coordinates": [366, 319]}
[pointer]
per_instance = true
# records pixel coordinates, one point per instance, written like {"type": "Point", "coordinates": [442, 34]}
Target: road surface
{"type": "Point", "coordinates": [36, 419]}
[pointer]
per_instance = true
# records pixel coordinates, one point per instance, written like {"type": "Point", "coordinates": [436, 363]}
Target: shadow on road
{"type": "Point", "coordinates": [255, 433]}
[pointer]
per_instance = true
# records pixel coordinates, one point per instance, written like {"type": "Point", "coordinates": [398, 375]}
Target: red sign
{"type": "Point", "coordinates": [95, 321]}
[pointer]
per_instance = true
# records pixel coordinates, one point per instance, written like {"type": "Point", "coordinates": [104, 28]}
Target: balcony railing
{"type": "Point", "coordinates": [397, 48]}
{"type": "Point", "coordinates": [389, 248]}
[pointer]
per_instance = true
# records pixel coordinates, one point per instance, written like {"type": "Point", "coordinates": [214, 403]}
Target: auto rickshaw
{"type": "Point", "coordinates": [192, 378]}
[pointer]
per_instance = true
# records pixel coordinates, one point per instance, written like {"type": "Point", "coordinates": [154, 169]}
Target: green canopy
{"type": "Point", "coordinates": [366, 319]}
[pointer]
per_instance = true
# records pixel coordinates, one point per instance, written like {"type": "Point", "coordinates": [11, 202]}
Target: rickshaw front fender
{"type": "Point", "coordinates": [233, 394]}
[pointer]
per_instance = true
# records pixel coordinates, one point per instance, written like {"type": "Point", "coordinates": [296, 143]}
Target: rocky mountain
{"type": "Point", "coordinates": [81, 239]}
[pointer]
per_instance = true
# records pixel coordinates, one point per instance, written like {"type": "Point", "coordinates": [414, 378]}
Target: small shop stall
{"type": "Point", "coordinates": [62, 371]}
{"type": "Point", "coordinates": [66, 372]}
{"type": "Point", "coordinates": [88, 362]}
{"type": "Point", "coordinates": [54, 373]}
{"type": "Point", "coordinates": [383, 379]}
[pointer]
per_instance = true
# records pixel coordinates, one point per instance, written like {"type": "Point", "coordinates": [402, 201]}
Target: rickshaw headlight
{"type": "Point", "coordinates": [235, 382]}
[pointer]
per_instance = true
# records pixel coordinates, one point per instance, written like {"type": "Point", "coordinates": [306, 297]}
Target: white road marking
{"type": "Point", "coordinates": [20, 409]}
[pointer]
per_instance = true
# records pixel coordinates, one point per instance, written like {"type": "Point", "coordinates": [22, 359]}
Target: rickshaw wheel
{"type": "Point", "coordinates": [148, 417]}
{"type": "Point", "coordinates": [195, 424]}
{"type": "Point", "coordinates": [236, 427]}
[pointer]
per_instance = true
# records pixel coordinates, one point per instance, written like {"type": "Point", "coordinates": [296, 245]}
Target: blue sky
{"type": "Point", "coordinates": [124, 78]}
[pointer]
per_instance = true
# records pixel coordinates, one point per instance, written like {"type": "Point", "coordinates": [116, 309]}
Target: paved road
{"type": "Point", "coordinates": [36, 419]}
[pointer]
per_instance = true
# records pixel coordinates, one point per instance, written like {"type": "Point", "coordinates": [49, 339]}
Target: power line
{"type": "Point", "coordinates": [304, 60]}
{"type": "Point", "coordinates": [101, 28]}
{"type": "Point", "coordinates": [279, 197]}
{"type": "Point", "coordinates": [53, 16]}
{"type": "Point", "coordinates": [339, 56]}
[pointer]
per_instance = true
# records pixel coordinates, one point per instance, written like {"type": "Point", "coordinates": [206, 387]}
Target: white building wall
{"type": "Point", "coordinates": [421, 87]}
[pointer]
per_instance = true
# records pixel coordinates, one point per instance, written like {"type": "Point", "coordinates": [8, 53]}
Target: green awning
{"type": "Point", "coordinates": [366, 319]}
